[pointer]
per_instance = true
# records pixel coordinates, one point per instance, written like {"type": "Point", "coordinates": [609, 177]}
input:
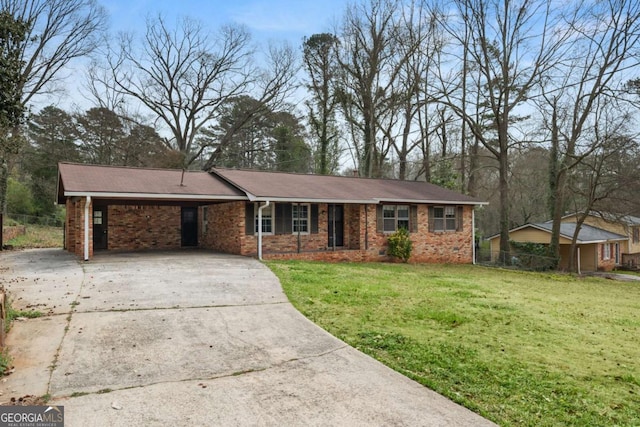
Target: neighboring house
{"type": "Point", "coordinates": [263, 214]}
{"type": "Point", "coordinates": [596, 248]}
{"type": "Point", "coordinates": [626, 225]}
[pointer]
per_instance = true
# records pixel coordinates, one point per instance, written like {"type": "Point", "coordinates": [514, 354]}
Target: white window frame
{"type": "Point", "coordinates": [441, 224]}
{"type": "Point", "coordinates": [606, 251]}
{"type": "Point", "coordinates": [393, 220]}
{"type": "Point", "coordinates": [296, 220]}
{"type": "Point", "coordinates": [268, 216]}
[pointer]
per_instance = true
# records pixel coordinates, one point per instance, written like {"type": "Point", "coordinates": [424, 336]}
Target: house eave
{"type": "Point", "coordinates": [152, 196]}
{"type": "Point", "coordinates": [430, 202]}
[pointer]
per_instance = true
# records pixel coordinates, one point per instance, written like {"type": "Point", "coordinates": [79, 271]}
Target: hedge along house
{"type": "Point", "coordinates": [261, 214]}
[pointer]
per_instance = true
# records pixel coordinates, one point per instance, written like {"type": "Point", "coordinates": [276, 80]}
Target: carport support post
{"type": "Point", "coordinates": [86, 228]}
{"type": "Point", "coordinates": [260, 229]}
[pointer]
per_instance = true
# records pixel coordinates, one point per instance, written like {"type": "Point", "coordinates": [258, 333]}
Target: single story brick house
{"type": "Point", "coordinates": [261, 214]}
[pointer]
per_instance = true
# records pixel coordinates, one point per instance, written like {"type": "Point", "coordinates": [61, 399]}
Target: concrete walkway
{"type": "Point", "coordinates": [192, 338]}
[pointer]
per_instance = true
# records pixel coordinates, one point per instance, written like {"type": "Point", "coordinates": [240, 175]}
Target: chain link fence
{"type": "Point", "coordinates": [516, 259]}
{"type": "Point", "coordinates": [20, 219]}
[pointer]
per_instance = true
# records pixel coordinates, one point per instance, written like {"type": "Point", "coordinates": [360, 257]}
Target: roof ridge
{"type": "Point", "coordinates": [130, 167]}
{"type": "Point", "coordinates": [329, 176]}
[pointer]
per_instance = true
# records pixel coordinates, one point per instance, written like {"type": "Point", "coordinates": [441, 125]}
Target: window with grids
{"type": "Point", "coordinates": [444, 218]}
{"type": "Point", "coordinates": [300, 217]}
{"type": "Point", "coordinates": [395, 217]}
{"type": "Point", "coordinates": [267, 219]}
{"type": "Point", "coordinates": [636, 235]}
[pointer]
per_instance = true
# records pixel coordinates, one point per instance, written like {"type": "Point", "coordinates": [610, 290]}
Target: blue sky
{"type": "Point", "coordinates": [266, 19]}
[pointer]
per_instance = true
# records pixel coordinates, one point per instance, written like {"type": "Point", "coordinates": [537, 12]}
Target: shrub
{"type": "Point", "coordinates": [400, 245]}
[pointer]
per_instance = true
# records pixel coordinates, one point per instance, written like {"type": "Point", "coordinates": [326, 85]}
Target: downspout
{"type": "Point", "coordinates": [260, 229]}
{"type": "Point", "coordinates": [473, 233]}
{"type": "Point", "coordinates": [86, 228]}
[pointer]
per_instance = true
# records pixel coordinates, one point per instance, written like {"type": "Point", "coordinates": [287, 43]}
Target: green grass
{"type": "Point", "coordinates": [520, 348]}
{"type": "Point", "coordinates": [12, 314]}
{"type": "Point", "coordinates": [38, 236]}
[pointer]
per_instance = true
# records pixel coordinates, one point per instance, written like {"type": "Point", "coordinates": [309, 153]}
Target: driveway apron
{"type": "Point", "coordinates": [193, 338]}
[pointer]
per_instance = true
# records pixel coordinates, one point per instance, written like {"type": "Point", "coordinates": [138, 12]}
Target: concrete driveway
{"type": "Point", "coordinates": [192, 338]}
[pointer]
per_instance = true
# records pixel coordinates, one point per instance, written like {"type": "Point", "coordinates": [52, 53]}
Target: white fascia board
{"type": "Point", "coordinates": [430, 202]}
{"type": "Point", "coordinates": [152, 196]}
{"type": "Point", "coordinates": [308, 200]}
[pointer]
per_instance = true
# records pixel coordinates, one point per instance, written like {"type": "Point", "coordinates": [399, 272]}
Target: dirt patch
{"type": "Point", "coordinates": [27, 400]}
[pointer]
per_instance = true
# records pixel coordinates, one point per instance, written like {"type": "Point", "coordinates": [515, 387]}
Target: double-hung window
{"type": "Point", "coordinates": [267, 218]}
{"type": "Point", "coordinates": [300, 218]}
{"type": "Point", "coordinates": [395, 217]}
{"type": "Point", "coordinates": [444, 218]}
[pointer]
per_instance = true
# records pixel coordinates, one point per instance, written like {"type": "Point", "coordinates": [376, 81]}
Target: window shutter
{"type": "Point", "coordinates": [379, 218]}
{"type": "Point", "coordinates": [314, 219]}
{"type": "Point", "coordinates": [460, 217]}
{"type": "Point", "coordinates": [413, 219]}
{"type": "Point", "coordinates": [431, 219]}
{"type": "Point", "coordinates": [249, 218]}
{"type": "Point", "coordinates": [284, 218]}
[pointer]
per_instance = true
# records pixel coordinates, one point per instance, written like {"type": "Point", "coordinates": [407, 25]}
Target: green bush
{"type": "Point", "coordinates": [400, 245]}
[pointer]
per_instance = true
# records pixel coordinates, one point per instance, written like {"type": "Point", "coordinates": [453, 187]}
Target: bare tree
{"type": "Point", "coordinates": [183, 75]}
{"type": "Point", "coordinates": [56, 33]}
{"type": "Point", "coordinates": [606, 35]}
{"type": "Point", "coordinates": [512, 45]}
{"type": "Point", "coordinates": [371, 61]}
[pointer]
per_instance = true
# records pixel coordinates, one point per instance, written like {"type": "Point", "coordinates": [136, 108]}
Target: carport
{"type": "Point", "coordinates": [119, 208]}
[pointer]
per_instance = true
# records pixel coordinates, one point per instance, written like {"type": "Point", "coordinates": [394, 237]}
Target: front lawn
{"type": "Point", "coordinates": [519, 348]}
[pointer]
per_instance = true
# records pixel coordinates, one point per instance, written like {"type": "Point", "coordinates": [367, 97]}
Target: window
{"type": "Point", "coordinates": [300, 218]}
{"type": "Point", "coordinates": [444, 218]}
{"type": "Point", "coordinates": [97, 217]}
{"type": "Point", "coordinates": [636, 234]}
{"type": "Point", "coordinates": [204, 219]}
{"type": "Point", "coordinates": [606, 251]}
{"type": "Point", "coordinates": [267, 218]}
{"type": "Point", "coordinates": [395, 217]}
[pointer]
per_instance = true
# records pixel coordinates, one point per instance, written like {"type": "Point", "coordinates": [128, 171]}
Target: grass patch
{"type": "Point", "coordinates": [520, 348]}
{"type": "Point", "coordinates": [38, 236]}
{"type": "Point", "coordinates": [5, 360]}
{"type": "Point", "coordinates": [13, 314]}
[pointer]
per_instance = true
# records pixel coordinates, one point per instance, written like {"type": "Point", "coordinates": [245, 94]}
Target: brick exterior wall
{"type": "Point", "coordinates": [222, 228]}
{"type": "Point", "coordinates": [606, 264]}
{"type": "Point", "coordinates": [226, 233]}
{"type": "Point", "coordinates": [74, 227]}
{"type": "Point", "coordinates": [133, 227]}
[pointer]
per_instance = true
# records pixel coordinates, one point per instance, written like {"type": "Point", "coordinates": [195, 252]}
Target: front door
{"type": "Point", "coordinates": [99, 227]}
{"type": "Point", "coordinates": [189, 226]}
{"type": "Point", "coordinates": [336, 225]}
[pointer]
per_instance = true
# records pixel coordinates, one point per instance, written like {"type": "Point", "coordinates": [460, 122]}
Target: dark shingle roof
{"type": "Point", "coordinates": [79, 179]}
{"type": "Point", "coordinates": [278, 186]}
{"type": "Point", "coordinates": [232, 184]}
